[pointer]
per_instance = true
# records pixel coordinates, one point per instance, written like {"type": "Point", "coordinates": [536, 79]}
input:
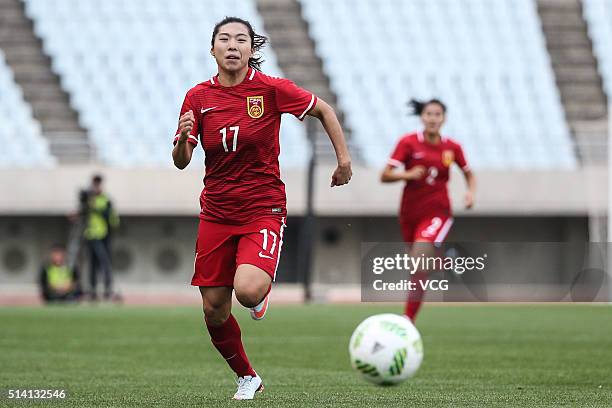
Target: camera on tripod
{"type": "Point", "coordinates": [84, 195]}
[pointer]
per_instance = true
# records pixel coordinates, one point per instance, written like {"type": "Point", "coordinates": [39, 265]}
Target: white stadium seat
{"type": "Point", "coordinates": [486, 59]}
{"type": "Point", "coordinates": [598, 14]}
{"type": "Point", "coordinates": [20, 135]}
{"type": "Point", "coordinates": [115, 56]}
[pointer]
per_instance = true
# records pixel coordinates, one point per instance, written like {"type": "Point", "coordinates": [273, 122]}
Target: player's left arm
{"type": "Point", "coordinates": [470, 179]}
{"type": "Point", "coordinates": [471, 186]}
{"type": "Point", "coordinates": [329, 120]}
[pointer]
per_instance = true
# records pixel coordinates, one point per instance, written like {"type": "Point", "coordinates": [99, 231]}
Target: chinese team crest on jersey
{"type": "Point", "coordinates": [448, 156]}
{"type": "Point", "coordinates": [255, 106]}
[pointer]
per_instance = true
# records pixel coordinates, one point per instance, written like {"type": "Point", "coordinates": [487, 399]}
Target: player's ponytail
{"type": "Point", "coordinates": [417, 107]}
{"type": "Point", "coordinates": [258, 41]}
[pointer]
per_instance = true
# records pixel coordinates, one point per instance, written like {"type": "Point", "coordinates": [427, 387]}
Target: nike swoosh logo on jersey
{"type": "Point", "coordinates": [207, 109]}
{"type": "Point", "coordinates": [264, 256]}
{"type": "Point", "coordinates": [418, 155]}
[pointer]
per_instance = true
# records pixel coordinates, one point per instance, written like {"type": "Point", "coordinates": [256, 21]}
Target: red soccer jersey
{"type": "Point", "coordinates": [428, 195]}
{"type": "Point", "coordinates": [238, 127]}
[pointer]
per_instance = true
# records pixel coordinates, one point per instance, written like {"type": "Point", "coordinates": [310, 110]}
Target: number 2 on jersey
{"type": "Point", "coordinates": [223, 132]}
{"type": "Point", "coordinates": [432, 173]}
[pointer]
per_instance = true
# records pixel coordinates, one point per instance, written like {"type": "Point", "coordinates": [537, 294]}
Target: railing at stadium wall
{"type": "Point", "coordinates": [609, 237]}
{"type": "Point", "coordinates": [309, 220]}
{"type": "Point", "coordinates": [590, 141]}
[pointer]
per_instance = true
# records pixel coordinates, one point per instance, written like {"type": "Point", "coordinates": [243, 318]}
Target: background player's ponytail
{"type": "Point", "coordinates": [257, 41]}
{"type": "Point", "coordinates": [417, 107]}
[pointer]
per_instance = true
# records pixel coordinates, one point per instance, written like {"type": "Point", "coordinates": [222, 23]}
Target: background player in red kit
{"type": "Point", "coordinates": [425, 158]}
{"type": "Point", "coordinates": [236, 115]}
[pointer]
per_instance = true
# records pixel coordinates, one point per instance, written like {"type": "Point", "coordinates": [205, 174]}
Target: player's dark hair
{"type": "Point", "coordinates": [97, 179]}
{"type": "Point", "coordinates": [258, 41]}
{"type": "Point", "coordinates": [417, 107]}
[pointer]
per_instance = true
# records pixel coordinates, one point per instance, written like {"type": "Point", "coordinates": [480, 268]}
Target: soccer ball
{"type": "Point", "coordinates": [386, 349]}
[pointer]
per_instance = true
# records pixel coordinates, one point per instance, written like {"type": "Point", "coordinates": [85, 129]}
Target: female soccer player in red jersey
{"type": "Point", "coordinates": [425, 212]}
{"type": "Point", "coordinates": [236, 116]}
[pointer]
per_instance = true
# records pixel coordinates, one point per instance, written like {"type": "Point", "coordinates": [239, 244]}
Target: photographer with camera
{"type": "Point", "coordinates": [100, 221]}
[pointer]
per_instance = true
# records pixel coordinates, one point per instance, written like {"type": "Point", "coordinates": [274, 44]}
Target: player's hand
{"type": "Point", "coordinates": [342, 175]}
{"type": "Point", "coordinates": [185, 125]}
{"type": "Point", "coordinates": [415, 173]}
{"type": "Point", "coordinates": [468, 200]}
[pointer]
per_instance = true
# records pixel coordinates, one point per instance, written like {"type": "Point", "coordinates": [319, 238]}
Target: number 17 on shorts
{"type": "Point", "coordinates": [221, 248]}
{"type": "Point", "coordinates": [263, 248]}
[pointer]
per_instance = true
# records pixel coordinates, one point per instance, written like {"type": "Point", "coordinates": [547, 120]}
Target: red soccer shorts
{"type": "Point", "coordinates": [429, 228]}
{"type": "Point", "coordinates": [220, 248]}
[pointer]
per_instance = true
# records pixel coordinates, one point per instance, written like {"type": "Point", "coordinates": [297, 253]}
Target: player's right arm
{"type": "Point", "coordinates": [187, 132]}
{"type": "Point", "coordinates": [399, 158]}
{"type": "Point", "coordinates": [181, 154]}
{"type": "Point", "coordinates": [390, 174]}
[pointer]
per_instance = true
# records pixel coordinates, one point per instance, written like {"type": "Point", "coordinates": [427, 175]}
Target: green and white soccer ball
{"type": "Point", "coordinates": [386, 349]}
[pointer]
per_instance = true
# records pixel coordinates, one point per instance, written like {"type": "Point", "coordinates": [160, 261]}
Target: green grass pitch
{"type": "Point", "coordinates": [490, 355]}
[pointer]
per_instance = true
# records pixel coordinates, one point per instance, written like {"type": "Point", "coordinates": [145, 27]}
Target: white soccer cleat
{"type": "Point", "coordinates": [247, 387]}
{"type": "Point", "coordinates": [258, 312]}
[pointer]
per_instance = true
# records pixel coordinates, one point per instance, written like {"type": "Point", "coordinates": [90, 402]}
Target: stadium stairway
{"type": "Point", "coordinates": [40, 85]}
{"type": "Point", "coordinates": [578, 79]}
{"type": "Point", "coordinates": [295, 51]}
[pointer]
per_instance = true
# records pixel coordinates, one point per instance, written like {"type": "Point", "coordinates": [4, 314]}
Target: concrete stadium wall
{"type": "Point", "coordinates": [159, 209]}
{"type": "Point", "coordinates": [159, 250]}
{"type": "Point", "coordinates": [338, 242]}
{"type": "Point", "coordinates": [170, 192]}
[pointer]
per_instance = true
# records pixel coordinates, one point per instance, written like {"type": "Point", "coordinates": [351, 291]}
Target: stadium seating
{"type": "Point", "coordinates": [128, 65]}
{"type": "Point", "coordinates": [486, 59]}
{"type": "Point", "coordinates": [20, 136]}
{"type": "Point", "coordinates": [598, 14]}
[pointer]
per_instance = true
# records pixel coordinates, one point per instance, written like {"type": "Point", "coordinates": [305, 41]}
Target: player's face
{"type": "Point", "coordinates": [433, 118]}
{"type": "Point", "coordinates": [232, 47]}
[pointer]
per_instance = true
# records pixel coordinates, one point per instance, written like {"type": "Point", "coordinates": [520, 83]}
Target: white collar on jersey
{"type": "Point", "coordinates": [250, 76]}
{"type": "Point", "coordinates": [421, 137]}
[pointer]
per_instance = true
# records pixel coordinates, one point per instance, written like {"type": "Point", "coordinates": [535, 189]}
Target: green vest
{"type": "Point", "coordinates": [58, 276]}
{"type": "Point", "coordinates": [101, 218]}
